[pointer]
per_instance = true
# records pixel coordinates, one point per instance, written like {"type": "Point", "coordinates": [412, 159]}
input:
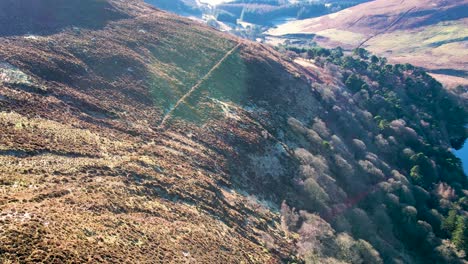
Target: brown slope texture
{"type": "Point", "coordinates": [430, 34]}
{"type": "Point", "coordinates": [154, 139]}
{"type": "Point", "coordinates": [86, 177]}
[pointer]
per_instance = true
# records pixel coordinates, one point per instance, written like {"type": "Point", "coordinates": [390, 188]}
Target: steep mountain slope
{"type": "Point", "coordinates": [148, 138]}
{"type": "Point", "coordinates": [430, 34]}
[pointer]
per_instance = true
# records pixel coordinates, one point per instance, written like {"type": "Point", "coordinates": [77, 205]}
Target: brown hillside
{"type": "Point", "coordinates": [375, 16]}
{"type": "Point", "coordinates": [430, 34]}
{"type": "Point", "coordinates": [86, 175]}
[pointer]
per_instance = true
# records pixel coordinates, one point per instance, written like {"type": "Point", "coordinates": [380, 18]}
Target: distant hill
{"type": "Point", "coordinates": [266, 12]}
{"type": "Point", "coordinates": [181, 7]}
{"type": "Point", "coordinates": [430, 34]}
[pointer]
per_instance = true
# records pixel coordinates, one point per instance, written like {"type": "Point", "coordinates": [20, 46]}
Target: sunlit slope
{"type": "Point", "coordinates": [430, 34]}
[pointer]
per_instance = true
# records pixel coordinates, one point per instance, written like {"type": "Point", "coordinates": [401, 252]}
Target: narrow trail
{"type": "Point", "coordinates": [398, 19]}
{"type": "Point", "coordinates": [168, 115]}
{"type": "Point", "coordinates": [355, 22]}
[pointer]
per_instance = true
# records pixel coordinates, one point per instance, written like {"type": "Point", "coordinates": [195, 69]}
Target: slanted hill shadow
{"type": "Point", "coordinates": [20, 17]}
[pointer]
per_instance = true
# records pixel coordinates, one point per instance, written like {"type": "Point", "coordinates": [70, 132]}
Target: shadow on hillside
{"type": "Point", "coordinates": [435, 16]}
{"type": "Point", "coordinates": [45, 17]}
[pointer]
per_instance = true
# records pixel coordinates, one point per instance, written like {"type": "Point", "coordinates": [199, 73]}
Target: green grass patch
{"type": "Point", "coordinates": [180, 60]}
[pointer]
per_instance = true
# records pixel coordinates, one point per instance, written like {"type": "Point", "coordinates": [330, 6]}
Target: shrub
{"type": "Point", "coordinates": [368, 253]}
{"type": "Point", "coordinates": [345, 243]}
{"type": "Point", "coordinates": [435, 219]}
{"type": "Point", "coordinates": [317, 162]}
{"type": "Point", "coordinates": [343, 165]}
{"type": "Point", "coordinates": [326, 144]}
{"type": "Point", "coordinates": [445, 253]}
{"type": "Point", "coordinates": [449, 223]}
{"type": "Point", "coordinates": [360, 148]}
{"type": "Point", "coordinates": [460, 234]}
{"type": "Point", "coordinates": [383, 223]}
{"type": "Point", "coordinates": [341, 224]}
{"type": "Point", "coordinates": [416, 175]}
{"type": "Point", "coordinates": [371, 169]}
{"type": "Point", "coordinates": [392, 201]}
{"type": "Point", "coordinates": [318, 197]}
{"type": "Point", "coordinates": [406, 196]}
{"type": "Point", "coordinates": [303, 155]}
{"type": "Point", "coordinates": [317, 236]}
{"type": "Point", "coordinates": [296, 125]}
{"type": "Point", "coordinates": [352, 251]}
{"type": "Point", "coordinates": [422, 196]}
{"type": "Point", "coordinates": [361, 225]}
{"type": "Point", "coordinates": [354, 83]}
{"type": "Point", "coordinates": [381, 142]}
{"type": "Point", "coordinates": [423, 171]}
{"type": "Point", "coordinates": [423, 228]}
{"type": "Point", "coordinates": [289, 218]}
{"type": "Point", "coordinates": [313, 137]}
{"type": "Point", "coordinates": [444, 190]}
{"type": "Point", "coordinates": [338, 144]}
{"type": "Point", "coordinates": [321, 128]}
{"type": "Point", "coordinates": [400, 177]}
{"type": "Point", "coordinates": [409, 214]}
{"type": "Point", "coordinates": [362, 53]}
{"type": "Point", "coordinates": [407, 152]}
{"type": "Point", "coordinates": [407, 133]}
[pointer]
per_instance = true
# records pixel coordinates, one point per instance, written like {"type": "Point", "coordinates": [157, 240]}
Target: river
{"type": "Point", "coordinates": [214, 2]}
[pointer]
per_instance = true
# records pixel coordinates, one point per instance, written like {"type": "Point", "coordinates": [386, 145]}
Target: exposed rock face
{"type": "Point", "coordinates": [88, 173]}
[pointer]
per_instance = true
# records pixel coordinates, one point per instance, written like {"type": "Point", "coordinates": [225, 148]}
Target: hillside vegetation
{"type": "Point", "coordinates": [150, 138]}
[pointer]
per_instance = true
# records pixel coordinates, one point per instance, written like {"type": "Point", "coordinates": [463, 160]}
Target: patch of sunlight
{"type": "Point", "coordinates": [228, 110]}
{"type": "Point", "coordinates": [12, 75]}
{"type": "Point", "coordinates": [344, 36]}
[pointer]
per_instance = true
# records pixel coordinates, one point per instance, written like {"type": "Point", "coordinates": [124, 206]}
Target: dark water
{"type": "Point", "coordinates": [463, 155]}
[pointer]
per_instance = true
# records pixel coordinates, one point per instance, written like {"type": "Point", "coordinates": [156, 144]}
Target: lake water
{"type": "Point", "coordinates": [214, 2]}
{"type": "Point", "coordinates": [282, 20]}
{"type": "Point", "coordinates": [463, 155]}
